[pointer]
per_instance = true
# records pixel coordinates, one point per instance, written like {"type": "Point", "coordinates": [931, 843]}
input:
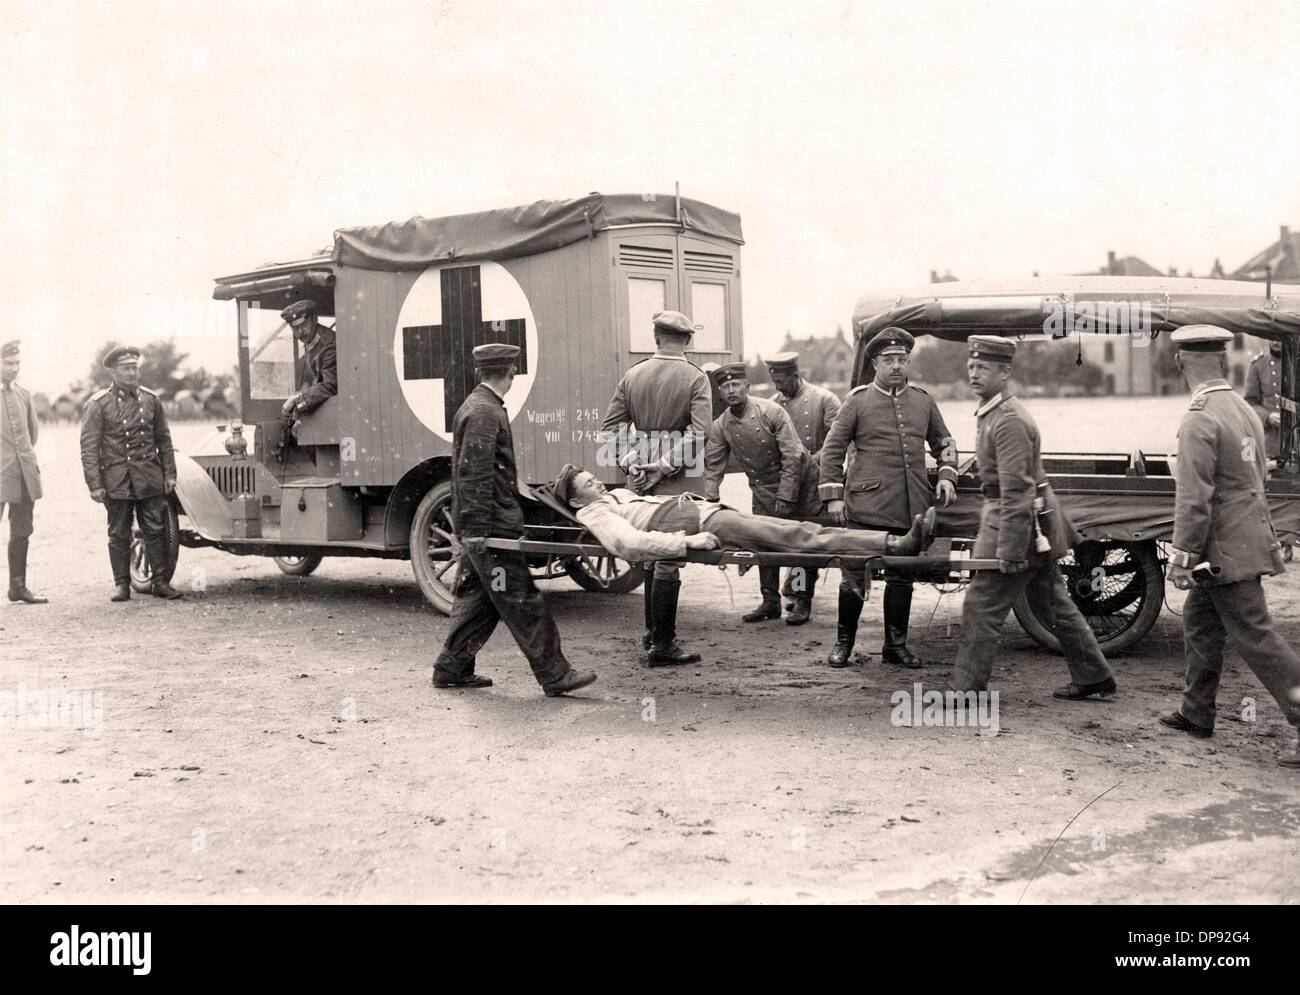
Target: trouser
{"type": "Point", "coordinates": [21, 514]}
{"type": "Point", "coordinates": [495, 585]}
{"type": "Point", "coordinates": [989, 598]}
{"type": "Point", "coordinates": [897, 600]}
{"type": "Point", "coordinates": [765, 534]}
{"type": "Point", "coordinates": [151, 513]}
{"type": "Point", "coordinates": [1238, 613]}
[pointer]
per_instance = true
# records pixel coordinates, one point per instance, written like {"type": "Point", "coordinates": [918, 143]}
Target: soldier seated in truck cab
{"type": "Point", "coordinates": [320, 371]}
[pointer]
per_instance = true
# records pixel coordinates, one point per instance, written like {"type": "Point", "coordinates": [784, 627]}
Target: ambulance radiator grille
{"type": "Point", "coordinates": [234, 480]}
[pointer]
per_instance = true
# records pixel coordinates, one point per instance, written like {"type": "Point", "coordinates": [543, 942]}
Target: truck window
{"type": "Point", "coordinates": [645, 299]}
{"type": "Point", "coordinates": [271, 356]}
{"type": "Point", "coordinates": [709, 312]}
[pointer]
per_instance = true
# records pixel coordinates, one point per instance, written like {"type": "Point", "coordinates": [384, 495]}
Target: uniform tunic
{"type": "Point", "coordinates": [889, 432]}
{"type": "Point", "coordinates": [320, 379]}
{"type": "Point", "coordinates": [1263, 387]}
{"type": "Point", "coordinates": [484, 477]}
{"type": "Point", "coordinates": [20, 477]}
{"type": "Point", "coordinates": [813, 412]}
{"type": "Point", "coordinates": [667, 399]}
{"type": "Point", "coordinates": [764, 442]}
{"type": "Point", "coordinates": [126, 447]}
{"type": "Point", "coordinates": [1221, 516]}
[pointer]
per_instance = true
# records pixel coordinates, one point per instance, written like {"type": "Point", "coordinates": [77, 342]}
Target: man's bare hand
{"type": "Point", "coordinates": [288, 406]}
{"type": "Point", "coordinates": [97, 495]}
{"type": "Point", "coordinates": [1274, 419]}
{"type": "Point", "coordinates": [474, 544]}
{"type": "Point", "coordinates": [1012, 566]}
{"type": "Point", "coordinates": [782, 508]}
{"type": "Point", "coordinates": [703, 540]}
{"type": "Point", "coordinates": [169, 484]}
{"type": "Point", "coordinates": [946, 492]}
{"type": "Point", "coordinates": [1181, 577]}
{"type": "Point", "coordinates": [835, 512]}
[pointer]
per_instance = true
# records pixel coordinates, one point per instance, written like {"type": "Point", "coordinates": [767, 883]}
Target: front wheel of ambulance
{"type": "Point", "coordinates": [141, 572]}
{"type": "Point", "coordinates": [298, 566]}
{"type": "Point", "coordinates": [435, 551]}
{"type": "Point", "coordinates": [604, 574]}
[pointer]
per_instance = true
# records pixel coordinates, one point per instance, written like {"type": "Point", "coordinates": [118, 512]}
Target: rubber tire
{"type": "Point", "coordinates": [434, 506]}
{"type": "Point", "coordinates": [304, 566]}
{"type": "Point", "coordinates": [624, 583]}
{"type": "Point", "coordinates": [141, 576]}
{"type": "Point", "coordinates": [1153, 581]}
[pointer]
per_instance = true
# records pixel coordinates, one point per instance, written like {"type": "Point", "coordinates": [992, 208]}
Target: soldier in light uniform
{"type": "Point", "coordinates": [890, 424]}
{"type": "Point", "coordinates": [666, 403]}
{"type": "Point", "coordinates": [494, 585]}
{"type": "Point", "coordinates": [782, 477]}
{"type": "Point", "coordinates": [20, 476]}
{"type": "Point", "coordinates": [1263, 388]}
{"type": "Point", "coordinates": [1223, 541]}
{"type": "Point", "coordinates": [130, 468]}
{"type": "Point", "coordinates": [1007, 448]}
{"type": "Point", "coordinates": [813, 410]}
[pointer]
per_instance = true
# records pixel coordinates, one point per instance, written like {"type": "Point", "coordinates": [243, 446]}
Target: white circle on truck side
{"type": "Point", "coordinates": [447, 312]}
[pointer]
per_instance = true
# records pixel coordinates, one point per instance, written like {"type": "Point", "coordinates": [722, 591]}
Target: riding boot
{"type": "Point", "coordinates": [120, 560]}
{"type": "Point", "coordinates": [18, 574]}
{"type": "Point", "coordinates": [846, 629]}
{"type": "Point", "coordinates": [898, 609]}
{"type": "Point", "coordinates": [665, 649]}
{"type": "Point", "coordinates": [648, 639]}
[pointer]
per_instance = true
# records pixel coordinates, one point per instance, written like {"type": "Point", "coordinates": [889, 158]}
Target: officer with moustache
{"type": "Point", "coordinates": [782, 477]}
{"type": "Point", "coordinates": [130, 468]}
{"type": "Point", "coordinates": [1026, 540]}
{"type": "Point", "coordinates": [812, 409]}
{"type": "Point", "coordinates": [1223, 541]}
{"type": "Point", "coordinates": [665, 403]}
{"type": "Point", "coordinates": [890, 424]}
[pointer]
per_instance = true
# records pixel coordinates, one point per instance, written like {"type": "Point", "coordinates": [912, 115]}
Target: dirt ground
{"type": "Point", "coordinates": [272, 738]}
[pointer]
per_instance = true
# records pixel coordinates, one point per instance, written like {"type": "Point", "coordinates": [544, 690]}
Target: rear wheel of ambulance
{"type": "Point", "coordinates": [435, 551]}
{"type": "Point", "coordinates": [141, 572]}
{"type": "Point", "coordinates": [604, 574]}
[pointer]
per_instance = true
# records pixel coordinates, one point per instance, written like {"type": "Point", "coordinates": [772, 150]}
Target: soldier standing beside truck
{"type": "Point", "coordinates": [667, 400]}
{"type": "Point", "coordinates": [20, 476]}
{"type": "Point", "coordinates": [130, 468]}
{"type": "Point", "coordinates": [494, 585]}
{"type": "Point", "coordinates": [890, 423]}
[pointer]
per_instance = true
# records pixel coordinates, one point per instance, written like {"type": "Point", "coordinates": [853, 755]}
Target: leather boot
{"type": "Point", "coordinates": [120, 561]}
{"type": "Point", "coordinates": [18, 574]}
{"type": "Point", "coordinates": [846, 629]}
{"type": "Point", "coordinates": [898, 609]}
{"type": "Point", "coordinates": [918, 538]}
{"type": "Point", "coordinates": [665, 650]}
{"type": "Point", "coordinates": [800, 613]}
{"type": "Point", "coordinates": [648, 639]}
{"type": "Point", "coordinates": [769, 582]}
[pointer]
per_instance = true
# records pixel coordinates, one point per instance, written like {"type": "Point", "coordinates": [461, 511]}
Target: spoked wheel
{"type": "Point", "coordinates": [1118, 586]}
{"type": "Point", "coordinates": [298, 566]}
{"type": "Point", "coordinates": [141, 572]}
{"type": "Point", "coordinates": [435, 551]}
{"type": "Point", "coordinates": [604, 574]}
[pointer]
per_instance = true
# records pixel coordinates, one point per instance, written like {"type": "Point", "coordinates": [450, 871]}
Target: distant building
{"type": "Point", "coordinates": [1280, 261]}
{"type": "Point", "coordinates": [827, 361]}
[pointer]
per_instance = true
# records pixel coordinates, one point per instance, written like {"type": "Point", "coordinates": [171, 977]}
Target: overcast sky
{"type": "Point", "coordinates": [150, 147]}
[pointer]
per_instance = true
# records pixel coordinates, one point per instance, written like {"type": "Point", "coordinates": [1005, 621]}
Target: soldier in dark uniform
{"type": "Point", "coordinates": [494, 584]}
{"type": "Point", "coordinates": [1026, 542]}
{"type": "Point", "coordinates": [20, 476]}
{"type": "Point", "coordinates": [812, 409]}
{"type": "Point", "coordinates": [1263, 388]}
{"type": "Point", "coordinates": [320, 368]}
{"type": "Point", "coordinates": [782, 477]}
{"type": "Point", "coordinates": [890, 424]}
{"type": "Point", "coordinates": [667, 403]}
{"type": "Point", "coordinates": [1223, 541]}
{"type": "Point", "coordinates": [130, 468]}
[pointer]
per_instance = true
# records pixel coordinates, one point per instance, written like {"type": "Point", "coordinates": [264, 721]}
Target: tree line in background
{"type": "Point", "coordinates": [187, 392]}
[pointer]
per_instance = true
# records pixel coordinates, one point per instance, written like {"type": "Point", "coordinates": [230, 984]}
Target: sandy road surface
{"type": "Point", "coordinates": [276, 738]}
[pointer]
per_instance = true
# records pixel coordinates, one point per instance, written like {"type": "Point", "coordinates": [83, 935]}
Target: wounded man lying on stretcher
{"type": "Point", "coordinates": [663, 527]}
